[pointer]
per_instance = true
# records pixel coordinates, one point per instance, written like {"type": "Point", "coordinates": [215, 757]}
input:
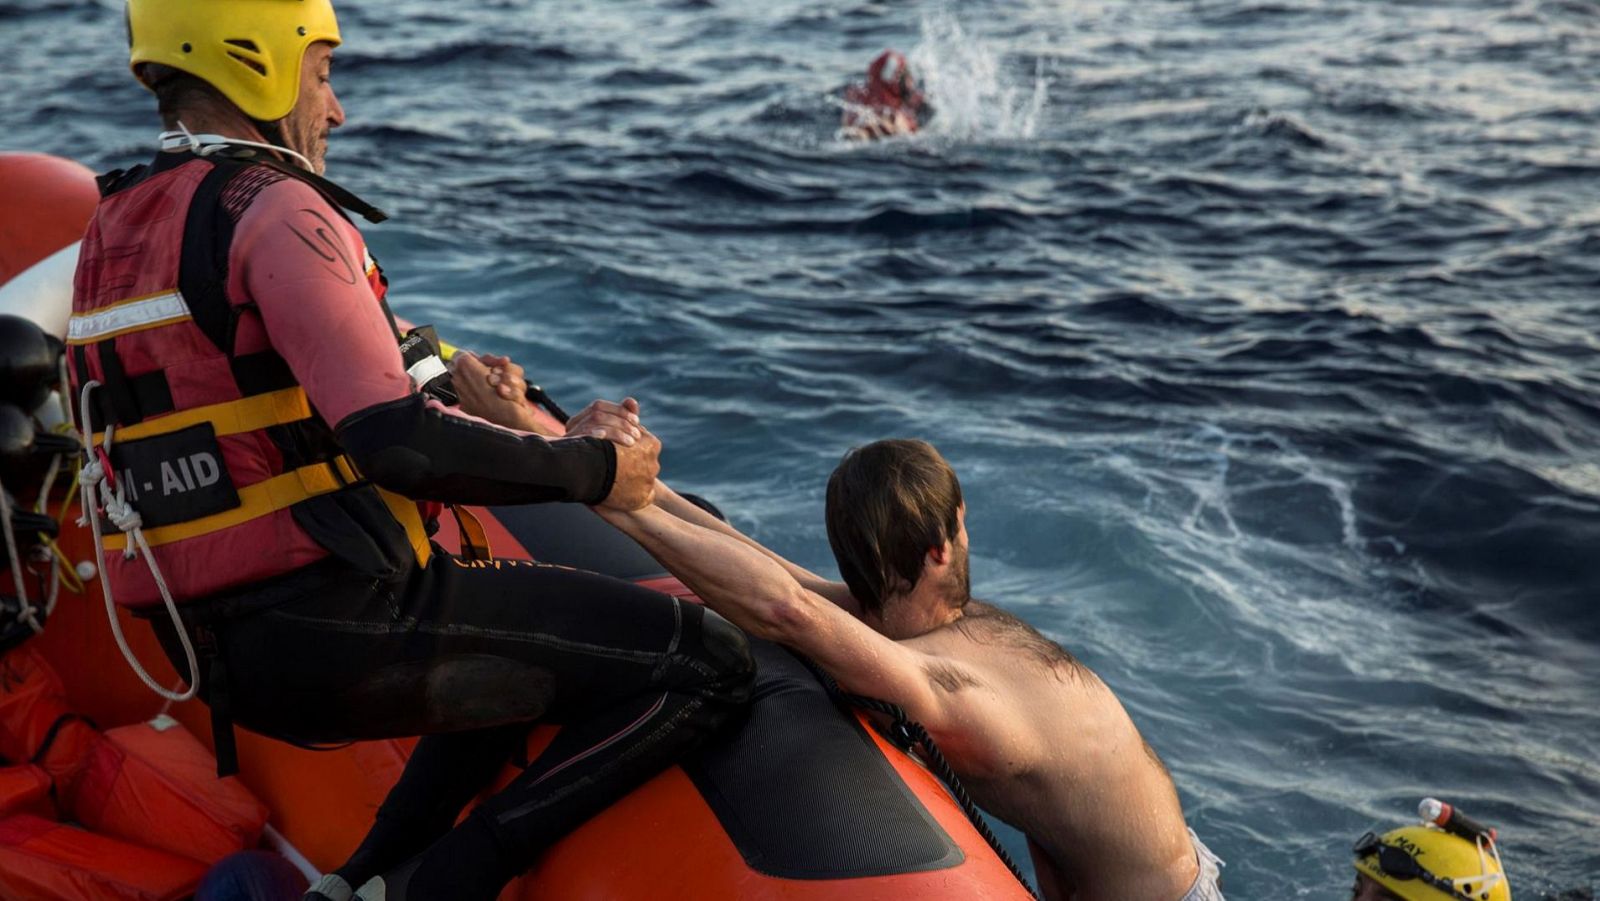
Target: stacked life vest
{"type": "Point", "coordinates": [148, 814]}
{"type": "Point", "coordinates": [234, 477]}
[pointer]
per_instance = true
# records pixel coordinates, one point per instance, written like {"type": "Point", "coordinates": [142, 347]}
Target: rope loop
{"type": "Point", "coordinates": [122, 514]}
{"type": "Point", "coordinates": [92, 473]}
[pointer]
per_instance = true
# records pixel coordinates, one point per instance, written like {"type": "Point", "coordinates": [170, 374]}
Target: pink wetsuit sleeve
{"type": "Point", "coordinates": [301, 264]}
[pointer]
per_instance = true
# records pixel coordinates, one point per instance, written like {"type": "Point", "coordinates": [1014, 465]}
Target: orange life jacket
{"type": "Point", "coordinates": [235, 477]}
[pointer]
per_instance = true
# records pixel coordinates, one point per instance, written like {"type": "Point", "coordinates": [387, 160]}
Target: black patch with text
{"type": "Point", "coordinates": [175, 477]}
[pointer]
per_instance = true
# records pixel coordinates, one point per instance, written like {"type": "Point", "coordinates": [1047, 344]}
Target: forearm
{"type": "Point", "coordinates": [412, 448]}
{"type": "Point", "coordinates": [759, 596]}
{"type": "Point", "coordinates": [692, 513]}
{"type": "Point", "coordinates": [732, 577]}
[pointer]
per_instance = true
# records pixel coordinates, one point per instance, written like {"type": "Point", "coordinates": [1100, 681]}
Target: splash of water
{"type": "Point", "coordinates": [972, 95]}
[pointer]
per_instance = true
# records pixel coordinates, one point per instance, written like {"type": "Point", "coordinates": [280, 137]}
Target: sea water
{"type": "Point", "coordinates": [1262, 334]}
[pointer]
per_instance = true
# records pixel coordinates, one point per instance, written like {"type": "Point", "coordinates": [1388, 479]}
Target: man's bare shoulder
{"type": "Point", "coordinates": [990, 638]}
{"type": "Point", "coordinates": [988, 625]}
{"type": "Point", "coordinates": [1013, 688]}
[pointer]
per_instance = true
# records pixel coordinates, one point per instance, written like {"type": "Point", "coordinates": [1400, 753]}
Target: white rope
{"type": "Point", "coordinates": [205, 145]}
{"type": "Point", "coordinates": [277, 842]}
{"type": "Point", "coordinates": [122, 514]}
{"type": "Point", "coordinates": [47, 484]}
{"type": "Point", "coordinates": [54, 591]}
{"type": "Point", "coordinates": [27, 611]}
{"type": "Point", "coordinates": [41, 505]}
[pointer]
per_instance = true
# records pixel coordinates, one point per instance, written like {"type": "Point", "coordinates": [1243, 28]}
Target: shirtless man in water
{"type": "Point", "coordinates": [1038, 739]}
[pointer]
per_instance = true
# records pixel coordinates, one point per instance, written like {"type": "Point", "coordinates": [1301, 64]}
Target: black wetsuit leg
{"type": "Point", "coordinates": [635, 677]}
{"type": "Point", "coordinates": [444, 773]}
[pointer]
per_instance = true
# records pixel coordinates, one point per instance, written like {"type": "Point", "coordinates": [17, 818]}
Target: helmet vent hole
{"type": "Point", "coordinates": [188, 47]}
{"type": "Point", "coordinates": [259, 68]}
{"type": "Point", "coordinates": [243, 44]}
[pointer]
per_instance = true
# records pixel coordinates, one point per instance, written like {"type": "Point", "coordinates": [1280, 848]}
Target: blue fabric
{"type": "Point", "coordinates": [252, 876]}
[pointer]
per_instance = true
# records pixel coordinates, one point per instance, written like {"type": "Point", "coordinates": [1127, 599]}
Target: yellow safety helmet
{"type": "Point", "coordinates": [1426, 863]}
{"type": "Point", "coordinates": [250, 50]}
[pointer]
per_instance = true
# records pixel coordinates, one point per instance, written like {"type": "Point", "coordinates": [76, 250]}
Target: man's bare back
{"type": "Point", "coordinates": [1060, 760]}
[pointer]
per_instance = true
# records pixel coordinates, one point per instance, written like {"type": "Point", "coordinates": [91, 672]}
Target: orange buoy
{"type": "Point", "coordinates": [45, 204]}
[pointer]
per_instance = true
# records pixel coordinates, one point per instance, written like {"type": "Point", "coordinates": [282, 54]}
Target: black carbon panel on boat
{"type": "Point", "coordinates": [805, 794]}
{"type": "Point", "coordinates": [572, 535]}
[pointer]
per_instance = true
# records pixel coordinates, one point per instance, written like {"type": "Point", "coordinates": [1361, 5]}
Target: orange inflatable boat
{"type": "Point", "coordinates": [803, 800]}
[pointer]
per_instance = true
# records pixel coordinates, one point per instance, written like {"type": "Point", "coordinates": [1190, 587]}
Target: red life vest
{"type": "Point", "coordinates": [874, 104]}
{"type": "Point", "coordinates": [235, 477]}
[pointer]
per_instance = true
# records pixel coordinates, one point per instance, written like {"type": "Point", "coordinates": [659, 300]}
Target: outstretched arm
{"type": "Point", "coordinates": [836, 592]}
{"type": "Point", "coordinates": [761, 597]}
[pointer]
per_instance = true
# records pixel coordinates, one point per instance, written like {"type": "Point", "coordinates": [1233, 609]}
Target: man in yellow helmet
{"type": "Point", "coordinates": [268, 451]}
{"type": "Point", "coordinates": [1447, 857]}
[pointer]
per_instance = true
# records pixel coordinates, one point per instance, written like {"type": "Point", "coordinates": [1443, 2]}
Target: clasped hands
{"type": "Point", "coordinates": [494, 388]}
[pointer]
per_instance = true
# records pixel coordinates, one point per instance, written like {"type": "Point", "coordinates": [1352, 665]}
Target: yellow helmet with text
{"type": "Point", "coordinates": [1425, 863]}
{"type": "Point", "coordinates": [250, 50]}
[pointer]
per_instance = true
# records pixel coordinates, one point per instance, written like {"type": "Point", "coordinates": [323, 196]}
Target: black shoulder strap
{"type": "Point", "coordinates": [119, 180]}
{"type": "Point", "coordinates": [208, 236]}
{"type": "Point", "coordinates": [336, 195]}
{"type": "Point", "coordinates": [203, 268]}
{"type": "Point", "coordinates": [123, 179]}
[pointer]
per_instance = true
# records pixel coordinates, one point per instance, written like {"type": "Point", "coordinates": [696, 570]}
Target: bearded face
{"type": "Point", "coordinates": [958, 586]}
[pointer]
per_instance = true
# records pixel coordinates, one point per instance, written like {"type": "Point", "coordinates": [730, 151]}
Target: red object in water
{"type": "Point", "coordinates": [887, 103]}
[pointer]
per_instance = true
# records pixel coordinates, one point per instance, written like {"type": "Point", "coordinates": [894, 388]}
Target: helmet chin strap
{"type": "Point", "coordinates": [205, 145]}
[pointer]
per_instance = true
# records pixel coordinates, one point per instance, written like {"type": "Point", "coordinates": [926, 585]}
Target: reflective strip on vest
{"type": "Point", "coordinates": [126, 316]}
{"type": "Point", "coordinates": [228, 418]}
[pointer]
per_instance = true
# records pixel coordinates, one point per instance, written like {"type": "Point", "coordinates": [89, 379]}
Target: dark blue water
{"type": "Point", "coordinates": [1263, 335]}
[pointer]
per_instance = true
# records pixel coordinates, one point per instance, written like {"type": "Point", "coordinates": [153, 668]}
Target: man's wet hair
{"type": "Point", "coordinates": [888, 504]}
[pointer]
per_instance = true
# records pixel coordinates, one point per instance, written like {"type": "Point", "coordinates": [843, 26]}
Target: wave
{"type": "Point", "coordinates": [463, 52]}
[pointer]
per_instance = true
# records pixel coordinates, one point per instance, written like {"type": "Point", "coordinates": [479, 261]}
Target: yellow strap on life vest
{"type": "Point", "coordinates": [260, 499]}
{"type": "Point", "coordinates": [474, 539]}
{"type": "Point", "coordinates": [233, 417]}
{"type": "Point", "coordinates": [281, 492]}
{"type": "Point", "coordinates": [250, 414]}
{"type": "Point", "coordinates": [405, 510]}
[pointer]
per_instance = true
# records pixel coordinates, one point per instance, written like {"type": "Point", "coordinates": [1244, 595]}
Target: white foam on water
{"type": "Point", "coordinates": [1296, 590]}
{"type": "Point", "coordinates": [972, 94]}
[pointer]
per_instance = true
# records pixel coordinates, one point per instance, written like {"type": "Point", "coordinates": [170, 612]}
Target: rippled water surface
{"type": "Point", "coordinates": [1261, 333]}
